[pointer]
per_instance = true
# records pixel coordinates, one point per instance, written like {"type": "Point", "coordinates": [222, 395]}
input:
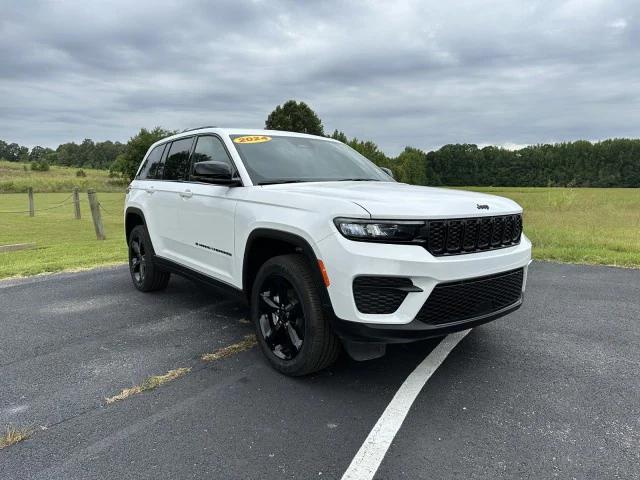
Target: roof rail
{"type": "Point", "coordinates": [198, 128]}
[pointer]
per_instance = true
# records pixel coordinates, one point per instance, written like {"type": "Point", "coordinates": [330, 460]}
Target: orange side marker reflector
{"type": "Point", "coordinates": [323, 270]}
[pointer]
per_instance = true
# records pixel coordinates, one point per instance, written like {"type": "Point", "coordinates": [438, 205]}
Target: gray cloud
{"type": "Point", "coordinates": [410, 73]}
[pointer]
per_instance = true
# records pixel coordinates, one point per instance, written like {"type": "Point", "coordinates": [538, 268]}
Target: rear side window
{"type": "Point", "coordinates": [210, 148]}
{"type": "Point", "coordinates": [176, 165]}
{"type": "Point", "coordinates": [150, 169]}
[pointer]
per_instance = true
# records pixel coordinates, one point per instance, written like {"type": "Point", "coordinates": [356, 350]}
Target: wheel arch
{"type": "Point", "coordinates": [265, 243]}
{"type": "Point", "coordinates": [133, 217]}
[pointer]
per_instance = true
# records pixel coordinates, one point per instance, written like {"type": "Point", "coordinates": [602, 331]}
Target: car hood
{"type": "Point", "coordinates": [403, 201]}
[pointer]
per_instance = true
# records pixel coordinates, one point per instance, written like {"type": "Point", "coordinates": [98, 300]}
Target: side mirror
{"type": "Point", "coordinates": [387, 171]}
{"type": "Point", "coordinates": [214, 172]}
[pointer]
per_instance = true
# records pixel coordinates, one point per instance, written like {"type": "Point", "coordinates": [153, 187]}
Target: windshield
{"type": "Point", "coordinates": [282, 159]}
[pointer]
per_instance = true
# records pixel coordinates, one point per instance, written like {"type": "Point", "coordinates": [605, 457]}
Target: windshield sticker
{"type": "Point", "coordinates": [252, 139]}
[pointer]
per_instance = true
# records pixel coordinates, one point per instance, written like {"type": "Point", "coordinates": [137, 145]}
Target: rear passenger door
{"type": "Point", "coordinates": [167, 199]}
{"type": "Point", "coordinates": [148, 179]}
{"type": "Point", "coordinates": [206, 218]}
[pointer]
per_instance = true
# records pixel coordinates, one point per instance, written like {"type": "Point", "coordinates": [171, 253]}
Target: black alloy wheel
{"type": "Point", "coordinates": [292, 328]}
{"type": "Point", "coordinates": [281, 317]}
{"type": "Point", "coordinates": [137, 260]}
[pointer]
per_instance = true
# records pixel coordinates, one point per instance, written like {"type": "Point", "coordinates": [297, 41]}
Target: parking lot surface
{"type": "Point", "coordinates": [549, 391]}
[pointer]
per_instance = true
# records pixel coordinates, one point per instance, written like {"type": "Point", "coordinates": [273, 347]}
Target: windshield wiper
{"type": "Point", "coordinates": [284, 180]}
{"type": "Point", "coordinates": [281, 180]}
{"type": "Point", "coordinates": [357, 180]}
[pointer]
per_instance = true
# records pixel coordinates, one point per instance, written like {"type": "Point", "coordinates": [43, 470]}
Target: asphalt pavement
{"type": "Point", "coordinates": [550, 391]}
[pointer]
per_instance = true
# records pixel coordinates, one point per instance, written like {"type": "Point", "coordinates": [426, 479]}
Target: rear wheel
{"type": "Point", "coordinates": [145, 274]}
{"type": "Point", "coordinates": [291, 327]}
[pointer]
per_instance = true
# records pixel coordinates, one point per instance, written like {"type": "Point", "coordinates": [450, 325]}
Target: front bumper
{"type": "Point", "coordinates": [345, 260]}
{"type": "Point", "coordinates": [409, 332]}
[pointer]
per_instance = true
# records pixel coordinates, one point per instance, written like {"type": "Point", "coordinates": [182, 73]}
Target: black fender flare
{"type": "Point", "coordinates": [137, 212]}
{"type": "Point", "coordinates": [301, 245]}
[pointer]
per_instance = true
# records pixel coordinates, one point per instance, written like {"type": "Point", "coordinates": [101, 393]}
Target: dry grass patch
{"type": "Point", "coordinates": [149, 383]}
{"type": "Point", "coordinates": [14, 435]}
{"type": "Point", "coordinates": [248, 342]}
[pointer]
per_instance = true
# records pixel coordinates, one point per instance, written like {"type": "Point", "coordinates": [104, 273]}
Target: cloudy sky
{"type": "Point", "coordinates": [420, 73]}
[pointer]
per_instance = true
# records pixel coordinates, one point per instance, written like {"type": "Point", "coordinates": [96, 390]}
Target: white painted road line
{"type": "Point", "coordinates": [366, 462]}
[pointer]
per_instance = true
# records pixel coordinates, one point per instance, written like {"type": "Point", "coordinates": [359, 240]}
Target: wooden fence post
{"type": "Point", "coordinates": [76, 202]}
{"type": "Point", "coordinates": [32, 209]}
{"type": "Point", "coordinates": [95, 213]}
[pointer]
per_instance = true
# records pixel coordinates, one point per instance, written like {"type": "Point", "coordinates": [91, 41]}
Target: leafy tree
{"type": "Point", "coordinates": [39, 153]}
{"type": "Point", "coordinates": [105, 153]}
{"type": "Point", "coordinates": [127, 162]}
{"type": "Point", "coordinates": [68, 154]}
{"type": "Point", "coordinates": [13, 152]}
{"type": "Point", "coordinates": [371, 151]}
{"type": "Point", "coordinates": [340, 136]}
{"type": "Point", "coordinates": [294, 116]}
{"type": "Point", "coordinates": [88, 154]}
{"type": "Point", "coordinates": [412, 166]}
{"type": "Point", "coordinates": [367, 149]}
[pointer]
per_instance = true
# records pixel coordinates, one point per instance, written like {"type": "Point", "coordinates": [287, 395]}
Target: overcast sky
{"type": "Point", "coordinates": [423, 73]}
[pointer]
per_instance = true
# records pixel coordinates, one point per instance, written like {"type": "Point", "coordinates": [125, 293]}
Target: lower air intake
{"type": "Point", "coordinates": [468, 299]}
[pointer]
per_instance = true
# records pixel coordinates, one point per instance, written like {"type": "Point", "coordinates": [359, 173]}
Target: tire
{"type": "Point", "coordinates": [145, 274]}
{"type": "Point", "coordinates": [305, 321]}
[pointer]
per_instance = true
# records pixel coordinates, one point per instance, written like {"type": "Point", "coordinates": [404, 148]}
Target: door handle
{"type": "Point", "coordinates": [150, 190]}
{"type": "Point", "coordinates": [186, 194]}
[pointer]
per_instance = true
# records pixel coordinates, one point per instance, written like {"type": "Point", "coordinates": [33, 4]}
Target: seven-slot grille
{"type": "Point", "coordinates": [468, 235]}
{"type": "Point", "coordinates": [473, 298]}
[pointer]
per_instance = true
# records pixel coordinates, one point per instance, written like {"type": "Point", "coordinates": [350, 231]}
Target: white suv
{"type": "Point", "coordinates": [329, 250]}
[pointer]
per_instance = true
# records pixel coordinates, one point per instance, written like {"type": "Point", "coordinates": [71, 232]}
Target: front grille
{"type": "Point", "coordinates": [467, 299]}
{"type": "Point", "coordinates": [381, 295]}
{"type": "Point", "coordinates": [468, 235]}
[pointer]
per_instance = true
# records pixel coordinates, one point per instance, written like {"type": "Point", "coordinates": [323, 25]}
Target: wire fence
{"type": "Point", "coordinates": [72, 200]}
{"type": "Point", "coordinates": [57, 205]}
{"type": "Point", "coordinates": [103, 209]}
{"type": "Point", "coordinates": [67, 201]}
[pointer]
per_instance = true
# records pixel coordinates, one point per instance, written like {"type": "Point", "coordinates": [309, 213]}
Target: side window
{"type": "Point", "coordinates": [210, 148]}
{"type": "Point", "coordinates": [176, 165]}
{"type": "Point", "coordinates": [149, 170]}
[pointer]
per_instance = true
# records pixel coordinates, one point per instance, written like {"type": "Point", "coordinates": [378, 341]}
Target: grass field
{"type": "Point", "coordinates": [62, 242]}
{"type": "Point", "coordinates": [15, 179]}
{"type": "Point", "coordinates": [598, 226]}
{"type": "Point", "coordinates": [582, 225]}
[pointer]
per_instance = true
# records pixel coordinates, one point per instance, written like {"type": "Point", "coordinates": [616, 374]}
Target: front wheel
{"type": "Point", "coordinates": [291, 327]}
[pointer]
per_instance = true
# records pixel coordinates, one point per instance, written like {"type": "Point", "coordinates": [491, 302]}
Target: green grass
{"type": "Point", "coordinates": [62, 242]}
{"type": "Point", "coordinates": [597, 226]}
{"type": "Point", "coordinates": [15, 179]}
{"type": "Point", "coordinates": [581, 225]}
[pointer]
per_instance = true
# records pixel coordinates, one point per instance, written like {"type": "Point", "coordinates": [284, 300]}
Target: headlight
{"type": "Point", "coordinates": [379, 230]}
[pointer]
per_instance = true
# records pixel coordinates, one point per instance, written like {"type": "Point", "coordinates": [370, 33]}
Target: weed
{"type": "Point", "coordinates": [149, 383]}
{"type": "Point", "coordinates": [245, 344]}
{"type": "Point", "coordinates": [14, 435]}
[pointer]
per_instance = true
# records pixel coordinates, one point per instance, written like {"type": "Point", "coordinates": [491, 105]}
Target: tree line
{"type": "Point", "coordinates": [88, 154]}
{"type": "Point", "coordinates": [608, 163]}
